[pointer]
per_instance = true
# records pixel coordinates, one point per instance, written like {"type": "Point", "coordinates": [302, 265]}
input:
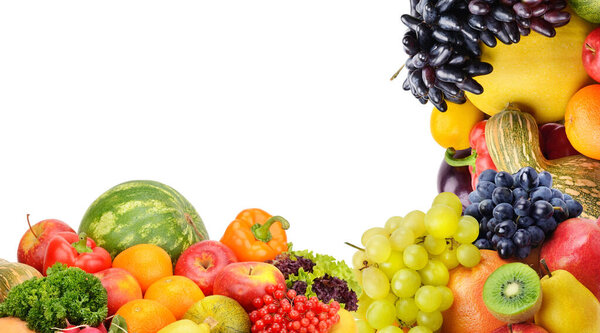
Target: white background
{"type": "Point", "coordinates": [282, 105]}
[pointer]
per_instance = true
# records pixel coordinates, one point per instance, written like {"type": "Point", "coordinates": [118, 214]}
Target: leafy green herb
{"type": "Point", "coordinates": [66, 295]}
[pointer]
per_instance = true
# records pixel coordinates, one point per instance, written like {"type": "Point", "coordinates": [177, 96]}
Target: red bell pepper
{"type": "Point", "coordinates": [480, 158]}
{"type": "Point", "coordinates": [554, 142]}
{"type": "Point", "coordinates": [76, 251]}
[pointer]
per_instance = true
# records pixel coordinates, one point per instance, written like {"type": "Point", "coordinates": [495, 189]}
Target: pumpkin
{"type": "Point", "coordinates": [14, 325]}
{"type": "Point", "coordinates": [12, 274]}
{"type": "Point", "coordinates": [512, 139]}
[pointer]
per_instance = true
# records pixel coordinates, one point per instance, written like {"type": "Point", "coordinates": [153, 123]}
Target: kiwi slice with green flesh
{"type": "Point", "coordinates": [512, 293]}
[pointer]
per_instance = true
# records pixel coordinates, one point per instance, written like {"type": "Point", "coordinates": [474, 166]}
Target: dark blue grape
{"type": "Point", "coordinates": [522, 207]}
{"type": "Point", "coordinates": [504, 179]}
{"type": "Point", "coordinates": [503, 211]}
{"type": "Point", "coordinates": [516, 177]}
{"type": "Point", "coordinates": [567, 197]}
{"type": "Point", "coordinates": [541, 210]}
{"type": "Point", "coordinates": [537, 235]}
{"type": "Point", "coordinates": [528, 178]}
{"type": "Point", "coordinates": [483, 243]}
{"type": "Point", "coordinates": [523, 252]}
{"type": "Point", "coordinates": [494, 239]}
{"type": "Point", "coordinates": [519, 193]}
{"type": "Point", "coordinates": [485, 189]}
{"type": "Point", "coordinates": [486, 208]}
{"type": "Point", "coordinates": [547, 225]}
{"type": "Point", "coordinates": [489, 234]}
{"type": "Point", "coordinates": [557, 194]}
{"type": "Point", "coordinates": [488, 175]}
{"type": "Point", "coordinates": [522, 238]}
{"type": "Point", "coordinates": [473, 210]}
{"type": "Point", "coordinates": [475, 198]}
{"type": "Point", "coordinates": [505, 229]}
{"type": "Point", "coordinates": [561, 210]}
{"type": "Point", "coordinates": [540, 193]}
{"type": "Point", "coordinates": [483, 228]}
{"type": "Point", "coordinates": [506, 248]}
{"type": "Point", "coordinates": [502, 194]}
{"type": "Point", "coordinates": [491, 224]}
{"type": "Point", "coordinates": [575, 208]}
{"type": "Point", "coordinates": [545, 179]}
{"type": "Point", "coordinates": [525, 221]}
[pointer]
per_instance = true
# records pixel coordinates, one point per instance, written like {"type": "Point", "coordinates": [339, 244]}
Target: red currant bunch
{"type": "Point", "coordinates": [282, 310]}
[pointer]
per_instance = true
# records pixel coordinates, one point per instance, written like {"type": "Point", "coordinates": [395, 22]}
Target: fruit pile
{"type": "Point", "coordinates": [142, 263]}
{"type": "Point", "coordinates": [522, 157]}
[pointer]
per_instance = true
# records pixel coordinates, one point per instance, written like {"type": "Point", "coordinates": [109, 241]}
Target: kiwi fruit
{"type": "Point", "coordinates": [513, 293]}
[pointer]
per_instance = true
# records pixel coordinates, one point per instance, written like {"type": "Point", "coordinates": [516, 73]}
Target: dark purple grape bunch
{"type": "Point", "coordinates": [443, 53]}
{"type": "Point", "coordinates": [518, 212]}
{"type": "Point", "coordinates": [507, 20]}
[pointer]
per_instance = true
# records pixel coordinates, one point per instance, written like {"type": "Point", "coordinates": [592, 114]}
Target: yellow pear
{"type": "Point", "coordinates": [185, 326]}
{"type": "Point", "coordinates": [568, 306]}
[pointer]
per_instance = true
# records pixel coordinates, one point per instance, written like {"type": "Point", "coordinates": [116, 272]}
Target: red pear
{"type": "Point", "coordinates": [575, 247]}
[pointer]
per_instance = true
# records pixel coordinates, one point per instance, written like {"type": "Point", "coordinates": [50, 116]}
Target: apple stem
{"type": "Point", "coordinates": [31, 229]}
{"type": "Point", "coordinates": [545, 267]}
{"type": "Point", "coordinates": [510, 328]}
{"type": "Point", "coordinates": [590, 48]}
{"type": "Point", "coordinates": [261, 231]}
{"type": "Point", "coordinates": [354, 246]}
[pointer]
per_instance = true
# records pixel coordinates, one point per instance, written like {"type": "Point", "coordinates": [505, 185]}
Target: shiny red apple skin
{"type": "Point", "coordinates": [591, 54]}
{"type": "Point", "coordinates": [245, 281]}
{"type": "Point", "coordinates": [203, 261]}
{"type": "Point", "coordinates": [575, 247]}
{"type": "Point", "coordinates": [32, 250]}
{"type": "Point", "coordinates": [521, 328]}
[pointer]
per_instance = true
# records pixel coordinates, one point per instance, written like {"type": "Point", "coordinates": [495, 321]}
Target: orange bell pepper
{"type": "Point", "coordinates": [255, 235]}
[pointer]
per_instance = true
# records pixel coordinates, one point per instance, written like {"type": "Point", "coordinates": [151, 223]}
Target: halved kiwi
{"type": "Point", "coordinates": [512, 293]}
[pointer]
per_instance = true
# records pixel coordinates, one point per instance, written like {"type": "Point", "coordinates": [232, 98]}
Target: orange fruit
{"type": "Point", "coordinates": [146, 262]}
{"type": "Point", "coordinates": [177, 293]}
{"type": "Point", "coordinates": [582, 121]}
{"type": "Point", "coordinates": [145, 316]}
{"type": "Point", "coordinates": [468, 312]}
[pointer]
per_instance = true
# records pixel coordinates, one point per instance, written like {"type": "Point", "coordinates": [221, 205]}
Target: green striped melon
{"type": "Point", "coordinates": [143, 212]}
{"type": "Point", "coordinates": [589, 10]}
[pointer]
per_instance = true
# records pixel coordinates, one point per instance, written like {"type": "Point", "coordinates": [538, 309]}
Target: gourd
{"type": "Point", "coordinates": [512, 139]}
{"type": "Point", "coordinates": [12, 274]}
{"type": "Point", "coordinates": [222, 314]}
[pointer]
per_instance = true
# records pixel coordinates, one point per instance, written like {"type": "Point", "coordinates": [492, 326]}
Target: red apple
{"type": "Point", "coordinates": [33, 244]}
{"type": "Point", "coordinates": [202, 262]}
{"type": "Point", "coordinates": [521, 328]}
{"type": "Point", "coordinates": [591, 54]}
{"type": "Point", "coordinates": [121, 287]}
{"type": "Point", "coordinates": [245, 281]}
{"type": "Point", "coordinates": [575, 247]}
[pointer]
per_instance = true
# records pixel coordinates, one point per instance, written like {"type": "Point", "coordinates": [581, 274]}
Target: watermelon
{"type": "Point", "coordinates": [143, 212]}
{"type": "Point", "coordinates": [589, 10]}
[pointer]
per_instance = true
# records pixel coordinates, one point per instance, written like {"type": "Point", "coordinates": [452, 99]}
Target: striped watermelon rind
{"type": "Point", "coordinates": [589, 10]}
{"type": "Point", "coordinates": [143, 212]}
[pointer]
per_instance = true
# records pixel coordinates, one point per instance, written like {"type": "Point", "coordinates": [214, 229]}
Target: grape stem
{"type": "Point", "coordinates": [354, 246]}
{"type": "Point", "coordinates": [397, 73]}
{"type": "Point", "coordinates": [510, 328]}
